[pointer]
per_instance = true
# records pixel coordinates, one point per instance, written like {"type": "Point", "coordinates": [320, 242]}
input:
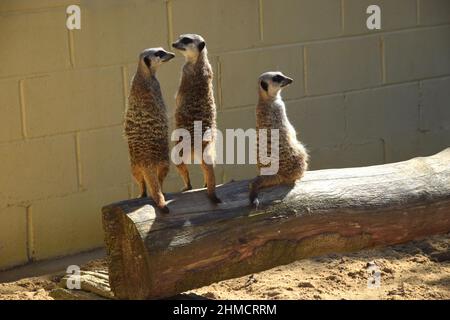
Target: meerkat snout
{"type": "Point", "coordinates": [271, 83]}
{"type": "Point", "coordinates": [190, 45]}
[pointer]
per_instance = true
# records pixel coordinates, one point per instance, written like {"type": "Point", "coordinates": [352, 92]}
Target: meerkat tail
{"type": "Point", "coordinates": [151, 179]}
{"type": "Point", "coordinates": [262, 182]}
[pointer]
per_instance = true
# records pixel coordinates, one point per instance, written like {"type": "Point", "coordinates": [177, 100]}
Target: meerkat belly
{"type": "Point", "coordinates": [147, 136]}
{"type": "Point", "coordinates": [188, 114]}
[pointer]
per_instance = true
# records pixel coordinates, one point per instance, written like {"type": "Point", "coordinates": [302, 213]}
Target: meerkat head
{"type": "Point", "coordinates": [151, 59]}
{"type": "Point", "coordinates": [190, 45]}
{"type": "Point", "coordinates": [271, 83]}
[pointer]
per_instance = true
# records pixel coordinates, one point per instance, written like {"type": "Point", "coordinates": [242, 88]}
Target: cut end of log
{"type": "Point", "coordinates": [152, 255]}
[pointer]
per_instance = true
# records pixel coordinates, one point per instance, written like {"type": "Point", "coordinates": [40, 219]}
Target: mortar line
{"type": "Point", "coordinates": [219, 83]}
{"type": "Point", "coordinates": [383, 60]}
{"type": "Point", "coordinates": [125, 85]}
{"type": "Point", "coordinates": [261, 21]}
{"type": "Point", "coordinates": [383, 142]}
{"type": "Point", "coordinates": [71, 48]}
{"type": "Point", "coordinates": [78, 161]}
{"type": "Point", "coordinates": [420, 109]}
{"type": "Point", "coordinates": [23, 109]}
{"type": "Point", "coordinates": [30, 234]}
{"type": "Point", "coordinates": [305, 70]}
{"type": "Point", "coordinates": [169, 22]}
{"type": "Point", "coordinates": [418, 12]}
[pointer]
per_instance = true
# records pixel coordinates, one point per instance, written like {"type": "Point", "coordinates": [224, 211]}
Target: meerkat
{"type": "Point", "coordinates": [146, 127]}
{"type": "Point", "coordinates": [195, 102]}
{"type": "Point", "coordinates": [271, 114]}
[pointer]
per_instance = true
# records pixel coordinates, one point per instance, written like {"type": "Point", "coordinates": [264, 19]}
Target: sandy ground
{"type": "Point", "coordinates": [416, 270]}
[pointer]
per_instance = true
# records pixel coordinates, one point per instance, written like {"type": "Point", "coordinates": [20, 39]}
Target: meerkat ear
{"type": "Point", "coordinates": [264, 85]}
{"type": "Point", "coordinates": [147, 61]}
{"type": "Point", "coordinates": [201, 46]}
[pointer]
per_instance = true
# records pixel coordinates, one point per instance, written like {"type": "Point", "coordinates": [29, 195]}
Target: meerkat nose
{"type": "Point", "coordinates": [169, 56]}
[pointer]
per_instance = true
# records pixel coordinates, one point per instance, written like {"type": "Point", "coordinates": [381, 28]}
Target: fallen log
{"type": "Point", "coordinates": [152, 255]}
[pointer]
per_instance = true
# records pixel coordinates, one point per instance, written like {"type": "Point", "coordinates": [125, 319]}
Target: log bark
{"type": "Point", "coordinates": [152, 255]}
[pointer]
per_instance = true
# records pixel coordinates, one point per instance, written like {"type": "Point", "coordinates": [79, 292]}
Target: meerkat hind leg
{"type": "Point", "coordinates": [263, 182]}
{"type": "Point", "coordinates": [208, 173]}
{"type": "Point", "coordinates": [139, 177]}
{"type": "Point", "coordinates": [162, 171]}
{"type": "Point", "coordinates": [184, 173]}
{"type": "Point", "coordinates": [151, 179]}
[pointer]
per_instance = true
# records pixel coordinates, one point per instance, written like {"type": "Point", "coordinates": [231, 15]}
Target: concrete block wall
{"type": "Point", "coordinates": [360, 97]}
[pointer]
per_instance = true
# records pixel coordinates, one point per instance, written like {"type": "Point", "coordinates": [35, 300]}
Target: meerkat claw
{"type": "Point", "coordinates": [187, 188]}
{"type": "Point", "coordinates": [165, 209]}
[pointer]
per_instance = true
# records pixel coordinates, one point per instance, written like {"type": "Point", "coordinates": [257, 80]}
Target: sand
{"type": "Point", "coordinates": [416, 270]}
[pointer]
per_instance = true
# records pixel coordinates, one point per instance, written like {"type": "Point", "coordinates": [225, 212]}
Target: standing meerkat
{"type": "Point", "coordinates": [146, 127]}
{"type": "Point", "coordinates": [271, 114]}
{"type": "Point", "coordinates": [195, 102]}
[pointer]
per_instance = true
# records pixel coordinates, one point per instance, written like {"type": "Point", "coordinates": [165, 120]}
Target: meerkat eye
{"type": "Point", "coordinates": [186, 40]}
{"type": "Point", "coordinates": [277, 78]}
{"type": "Point", "coordinates": [159, 54]}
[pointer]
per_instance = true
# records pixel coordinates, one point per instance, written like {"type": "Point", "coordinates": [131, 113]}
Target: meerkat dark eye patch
{"type": "Point", "coordinates": [160, 54]}
{"type": "Point", "coordinates": [186, 40]}
{"type": "Point", "coordinates": [147, 61]}
{"type": "Point", "coordinates": [264, 85]}
{"type": "Point", "coordinates": [277, 78]}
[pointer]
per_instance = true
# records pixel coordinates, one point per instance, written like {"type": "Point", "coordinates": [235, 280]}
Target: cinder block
{"type": "Point", "coordinates": [38, 168]}
{"type": "Point", "coordinates": [434, 12]}
{"type": "Point", "coordinates": [396, 14]}
{"type": "Point", "coordinates": [10, 120]}
{"type": "Point", "coordinates": [299, 20]}
{"type": "Point", "coordinates": [73, 223]}
{"type": "Point", "coordinates": [435, 105]}
{"type": "Point", "coordinates": [319, 121]}
{"type": "Point", "coordinates": [13, 237]}
{"type": "Point", "coordinates": [402, 147]}
{"type": "Point", "coordinates": [169, 76]}
{"type": "Point", "coordinates": [417, 54]}
{"type": "Point", "coordinates": [104, 158]}
{"type": "Point", "coordinates": [225, 25]}
{"type": "Point", "coordinates": [382, 112]}
{"type": "Point", "coordinates": [27, 53]}
{"type": "Point", "coordinates": [354, 155]}
{"type": "Point", "coordinates": [240, 72]}
{"type": "Point", "coordinates": [74, 100]}
{"type": "Point", "coordinates": [115, 31]}
{"type": "Point", "coordinates": [342, 65]}
{"type": "Point", "coordinates": [19, 5]}
{"type": "Point", "coordinates": [433, 142]}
